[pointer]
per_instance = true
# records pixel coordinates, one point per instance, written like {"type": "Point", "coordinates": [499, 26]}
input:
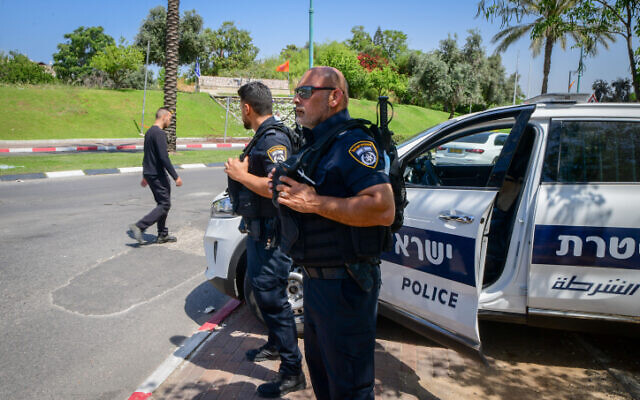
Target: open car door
{"type": "Point", "coordinates": [432, 277]}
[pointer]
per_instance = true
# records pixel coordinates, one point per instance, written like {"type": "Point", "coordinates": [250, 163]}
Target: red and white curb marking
{"type": "Point", "coordinates": [206, 331]}
{"type": "Point", "coordinates": [119, 148]}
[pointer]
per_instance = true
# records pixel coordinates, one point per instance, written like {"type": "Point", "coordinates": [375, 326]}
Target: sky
{"type": "Point", "coordinates": [35, 27]}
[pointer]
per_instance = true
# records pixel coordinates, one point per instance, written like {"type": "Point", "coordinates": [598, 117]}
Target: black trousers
{"type": "Point", "coordinates": [339, 337]}
{"type": "Point", "coordinates": [161, 189]}
{"type": "Point", "coordinates": [268, 271]}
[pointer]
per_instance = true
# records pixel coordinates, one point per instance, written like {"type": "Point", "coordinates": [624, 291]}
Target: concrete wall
{"type": "Point", "coordinates": [218, 85]}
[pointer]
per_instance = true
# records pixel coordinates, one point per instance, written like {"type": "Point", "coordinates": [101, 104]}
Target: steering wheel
{"type": "Point", "coordinates": [423, 171]}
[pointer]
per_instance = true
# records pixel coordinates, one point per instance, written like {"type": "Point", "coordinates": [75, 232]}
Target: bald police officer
{"type": "Point", "coordinates": [339, 217]}
{"type": "Point", "coordinates": [267, 267]}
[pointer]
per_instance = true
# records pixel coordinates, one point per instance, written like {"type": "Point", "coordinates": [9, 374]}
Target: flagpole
{"type": "Point", "coordinates": [144, 95]}
{"type": "Point", "coordinates": [310, 34]}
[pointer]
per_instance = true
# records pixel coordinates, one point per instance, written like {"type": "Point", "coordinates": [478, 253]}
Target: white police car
{"type": "Point", "coordinates": [549, 234]}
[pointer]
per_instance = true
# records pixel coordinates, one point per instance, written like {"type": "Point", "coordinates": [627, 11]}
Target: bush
{"type": "Point", "coordinates": [17, 68]}
{"type": "Point", "coordinates": [339, 56]}
{"type": "Point", "coordinates": [135, 79]}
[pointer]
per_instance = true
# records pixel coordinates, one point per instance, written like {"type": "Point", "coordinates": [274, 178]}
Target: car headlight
{"type": "Point", "coordinates": [222, 208]}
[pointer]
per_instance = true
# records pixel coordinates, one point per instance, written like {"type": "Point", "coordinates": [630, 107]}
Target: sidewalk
{"type": "Point", "coordinates": [220, 371]}
{"type": "Point", "coordinates": [525, 364]}
{"type": "Point", "coordinates": [129, 144]}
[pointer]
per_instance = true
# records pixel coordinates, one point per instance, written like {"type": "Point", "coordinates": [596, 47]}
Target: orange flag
{"type": "Point", "coordinates": [283, 67]}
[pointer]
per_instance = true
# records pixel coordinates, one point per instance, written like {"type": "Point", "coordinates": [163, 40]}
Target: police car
{"type": "Point", "coordinates": [549, 233]}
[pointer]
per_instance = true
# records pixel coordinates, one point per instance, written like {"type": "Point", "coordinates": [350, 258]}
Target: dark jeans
{"type": "Point", "coordinates": [339, 337]}
{"type": "Point", "coordinates": [268, 271]}
{"type": "Point", "coordinates": [161, 189]}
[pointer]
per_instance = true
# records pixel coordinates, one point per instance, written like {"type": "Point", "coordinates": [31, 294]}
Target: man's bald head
{"type": "Point", "coordinates": [322, 102]}
{"type": "Point", "coordinates": [334, 78]}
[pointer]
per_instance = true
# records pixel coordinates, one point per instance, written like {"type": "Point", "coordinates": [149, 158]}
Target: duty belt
{"type": "Point", "coordinates": [326, 272]}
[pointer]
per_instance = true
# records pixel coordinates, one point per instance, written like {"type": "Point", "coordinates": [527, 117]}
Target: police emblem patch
{"type": "Point", "coordinates": [365, 153]}
{"type": "Point", "coordinates": [277, 154]}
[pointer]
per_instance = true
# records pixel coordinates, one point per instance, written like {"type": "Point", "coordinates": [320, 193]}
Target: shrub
{"type": "Point", "coordinates": [17, 68]}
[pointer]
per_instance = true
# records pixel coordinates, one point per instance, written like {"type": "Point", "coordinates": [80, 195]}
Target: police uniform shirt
{"type": "Point", "coordinates": [352, 164]}
{"type": "Point", "coordinates": [272, 148]}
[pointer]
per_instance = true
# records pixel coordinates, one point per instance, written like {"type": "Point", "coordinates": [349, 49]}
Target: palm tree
{"type": "Point", "coordinates": [549, 27]}
{"type": "Point", "coordinates": [171, 68]}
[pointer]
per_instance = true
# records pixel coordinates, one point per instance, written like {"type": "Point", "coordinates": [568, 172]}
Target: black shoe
{"type": "Point", "coordinates": [136, 232]}
{"type": "Point", "coordinates": [263, 353]}
{"type": "Point", "coordinates": [282, 385]}
{"type": "Point", "coordinates": [166, 239]}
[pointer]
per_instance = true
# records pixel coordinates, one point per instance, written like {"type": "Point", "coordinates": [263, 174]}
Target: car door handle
{"type": "Point", "coordinates": [464, 219]}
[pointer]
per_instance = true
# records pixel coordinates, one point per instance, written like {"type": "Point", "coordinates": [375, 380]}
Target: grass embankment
{"type": "Point", "coordinates": [67, 112]}
{"type": "Point", "coordinates": [407, 120]}
{"type": "Point", "coordinates": [65, 162]}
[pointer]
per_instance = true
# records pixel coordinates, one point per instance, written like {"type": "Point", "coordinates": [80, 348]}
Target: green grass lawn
{"type": "Point", "coordinates": [67, 112]}
{"type": "Point", "coordinates": [65, 162]}
{"type": "Point", "coordinates": [407, 120]}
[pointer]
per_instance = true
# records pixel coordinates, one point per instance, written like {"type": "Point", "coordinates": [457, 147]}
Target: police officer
{"type": "Point", "coordinates": [339, 224]}
{"type": "Point", "coordinates": [267, 267]}
{"type": "Point", "coordinates": [155, 165]}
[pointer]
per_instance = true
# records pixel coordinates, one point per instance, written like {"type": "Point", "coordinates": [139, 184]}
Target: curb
{"type": "Point", "coordinates": [207, 331]}
{"type": "Point", "coordinates": [93, 172]}
{"type": "Point", "coordinates": [124, 147]}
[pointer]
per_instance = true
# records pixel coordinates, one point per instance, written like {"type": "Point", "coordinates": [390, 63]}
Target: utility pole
{"type": "Point", "coordinates": [515, 82]}
{"type": "Point", "coordinates": [310, 33]}
{"type": "Point", "coordinates": [529, 79]}
{"type": "Point", "coordinates": [144, 96]}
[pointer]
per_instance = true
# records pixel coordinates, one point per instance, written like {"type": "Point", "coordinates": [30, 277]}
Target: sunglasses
{"type": "Point", "coordinates": [306, 92]}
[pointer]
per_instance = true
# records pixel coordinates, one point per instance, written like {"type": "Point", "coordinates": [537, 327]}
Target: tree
{"type": "Point", "coordinates": [339, 56]}
{"type": "Point", "coordinates": [154, 31]}
{"type": "Point", "coordinates": [289, 51]}
{"type": "Point", "coordinates": [17, 68]}
{"type": "Point", "coordinates": [227, 48]}
{"type": "Point", "coordinates": [72, 61]}
{"type": "Point", "coordinates": [601, 90]}
{"type": "Point", "coordinates": [385, 80]}
{"type": "Point", "coordinates": [360, 40]}
{"type": "Point", "coordinates": [621, 89]}
{"type": "Point", "coordinates": [614, 18]}
{"type": "Point", "coordinates": [118, 62]}
{"type": "Point", "coordinates": [444, 76]}
{"type": "Point", "coordinates": [394, 43]}
{"type": "Point", "coordinates": [171, 68]}
{"type": "Point", "coordinates": [551, 25]}
{"type": "Point", "coordinates": [377, 37]}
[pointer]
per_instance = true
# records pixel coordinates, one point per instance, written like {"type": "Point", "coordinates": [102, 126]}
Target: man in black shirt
{"type": "Point", "coordinates": [155, 166]}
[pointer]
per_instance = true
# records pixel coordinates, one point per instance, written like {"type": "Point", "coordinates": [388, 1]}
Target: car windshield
{"type": "Point", "coordinates": [477, 138]}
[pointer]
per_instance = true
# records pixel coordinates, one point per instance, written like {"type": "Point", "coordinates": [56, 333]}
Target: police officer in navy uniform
{"type": "Point", "coordinates": [340, 222]}
{"type": "Point", "coordinates": [267, 267]}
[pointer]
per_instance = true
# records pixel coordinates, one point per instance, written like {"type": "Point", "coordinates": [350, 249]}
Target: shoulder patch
{"type": "Point", "coordinates": [277, 154]}
{"type": "Point", "coordinates": [365, 153]}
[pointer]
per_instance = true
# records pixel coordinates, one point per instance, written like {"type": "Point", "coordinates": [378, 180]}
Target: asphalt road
{"type": "Point", "coordinates": [84, 312]}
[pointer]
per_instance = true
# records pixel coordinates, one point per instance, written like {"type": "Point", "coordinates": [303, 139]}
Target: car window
{"type": "Point", "coordinates": [457, 163]}
{"type": "Point", "coordinates": [499, 140]}
{"type": "Point", "coordinates": [592, 151]}
{"type": "Point", "coordinates": [477, 138]}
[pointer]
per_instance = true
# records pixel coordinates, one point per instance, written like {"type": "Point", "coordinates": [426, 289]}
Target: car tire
{"type": "Point", "coordinates": [294, 293]}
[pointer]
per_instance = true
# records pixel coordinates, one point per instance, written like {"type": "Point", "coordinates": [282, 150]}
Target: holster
{"type": "Point", "coordinates": [365, 274]}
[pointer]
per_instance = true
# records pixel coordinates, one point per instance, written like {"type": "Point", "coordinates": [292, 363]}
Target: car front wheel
{"type": "Point", "coordinates": [294, 295]}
